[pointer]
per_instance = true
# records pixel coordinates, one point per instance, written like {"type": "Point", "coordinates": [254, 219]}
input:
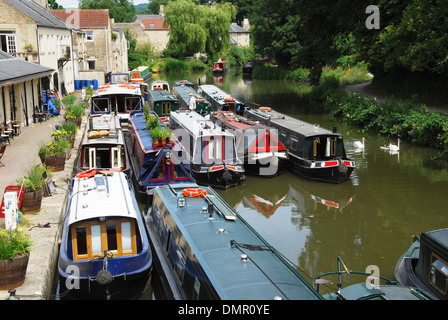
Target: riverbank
{"type": "Point", "coordinates": [45, 226]}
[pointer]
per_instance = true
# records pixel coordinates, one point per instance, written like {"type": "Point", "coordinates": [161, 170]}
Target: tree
{"type": "Point", "coordinates": [119, 10]}
{"type": "Point", "coordinates": [198, 28]}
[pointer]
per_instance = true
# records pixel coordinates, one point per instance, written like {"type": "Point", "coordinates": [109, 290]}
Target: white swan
{"type": "Point", "coordinates": [392, 147]}
{"type": "Point", "coordinates": [359, 144]}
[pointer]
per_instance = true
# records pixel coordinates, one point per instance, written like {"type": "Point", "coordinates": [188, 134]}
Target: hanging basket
{"type": "Point", "coordinates": [56, 162]}
{"type": "Point", "coordinates": [32, 201]}
{"type": "Point", "coordinates": [12, 272]}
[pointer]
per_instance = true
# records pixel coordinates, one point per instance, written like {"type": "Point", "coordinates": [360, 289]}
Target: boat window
{"type": "Point", "coordinates": [294, 143]}
{"type": "Point", "coordinates": [102, 159]}
{"type": "Point", "coordinates": [97, 246]}
{"type": "Point", "coordinates": [100, 104]}
{"type": "Point", "coordinates": [133, 104]}
{"type": "Point", "coordinates": [218, 148]}
{"type": "Point", "coordinates": [180, 264]}
{"type": "Point", "coordinates": [438, 274]}
{"type": "Point", "coordinates": [116, 157]}
{"type": "Point", "coordinates": [111, 236]}
{"type": "Point", "coordinates": [81, 240]}
{"type": "Point", "coordinates": [210, 149]}
{"type": "Point", "coordinates": [196, 288]}
{"type": "Point", "coordinates": [166, 108]}
{"type": "Point", "coordinates": [92, 158]}
{"type": "Point", "coordinates": [159, 174]}
{"type": "Point", "coordinates": [91, 238]}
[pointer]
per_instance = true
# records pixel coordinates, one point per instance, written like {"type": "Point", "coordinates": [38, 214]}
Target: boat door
{"type": "Point", "coordinates": [100, 105]}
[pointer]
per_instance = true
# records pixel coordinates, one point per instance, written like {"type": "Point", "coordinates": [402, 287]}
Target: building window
{"type": "Point", "coordinates": [89, 35]}
{"type": "Point", "coordinates": [8, 41]}
{"type": "Point", "coordinates": [91, 64]}
{"type": "Point", "coordinates": [152, 26]}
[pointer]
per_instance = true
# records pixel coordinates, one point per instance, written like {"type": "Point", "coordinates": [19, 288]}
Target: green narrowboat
{"type": "Point", "coordinates": [162, 102]}
{"type": "Point", "coordinates": [182, 93]}
{"type": "Point", "coordinates": [142, 72]}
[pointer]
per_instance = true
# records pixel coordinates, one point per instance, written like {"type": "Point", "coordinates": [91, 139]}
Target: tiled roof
{"type": "Point", "coordinates": [158, 24]}
{"type": "Point", "coordinates": [84, 18]}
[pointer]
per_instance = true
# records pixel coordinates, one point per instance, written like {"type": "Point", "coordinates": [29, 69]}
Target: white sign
{"type": "Point", "coordinates": [11, 210]}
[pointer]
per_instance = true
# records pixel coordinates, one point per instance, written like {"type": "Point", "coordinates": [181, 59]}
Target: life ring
{"type": "Point", "coordinates": [264, 108]}
{"type": "Point", "coordinates": [194, 192]}
{"type": "Point", "coordinates": [86, 174]}
{"type": "Point", "coordinates": [228, 99]}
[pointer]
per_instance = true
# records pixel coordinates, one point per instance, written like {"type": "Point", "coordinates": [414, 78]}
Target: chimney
{"type": "Point", "coordinates": [161, 10]}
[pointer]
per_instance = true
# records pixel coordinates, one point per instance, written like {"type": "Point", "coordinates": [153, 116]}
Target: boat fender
{"type": "Point", "coordinates": [86, 174]}
{"type": "Point", "coordinates": [104, 277]}
{"type": "Point", "coordinates": [194, 192]}
{"type": "Point", "coordinates": [342, 167]}
{"type": "Point", "coordinates": [264, 108]}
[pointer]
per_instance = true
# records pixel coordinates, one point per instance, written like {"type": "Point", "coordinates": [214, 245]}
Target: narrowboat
{"type": "Point", "coordinates": [185, 83]}
{"type": "Point", "coordinates": [314, 152]}
{"type": "Point", "coordinates": [209, 149]}
{"type": "Point", "coordinates": [105, 251]}
{"type": "Point", "coordinates": [205, 250]}
{"type": "Point", "coordinates": [220, 100]}
{"type": "Point", "coordinates": [160, 85]}
{"type": "Point", "coordinates": [257, 145]}
{"type": "Point", "coordinates": [162, 102]}
{"type": "Point", "coordinates": [102, 146]}
{"type": "Point", "coordinates": [425, 264]}
{"type": "Point", "coordinates": [120, 99]}
{"type": "Point", "coordinates": [374, 287]}
{"type": "Point", "coordinates": [220, 66]}
{"type": "Point", "coordinates": [182, 94]}
{"type": "Point", "coordinates": [248, 67]}
{"type": "Point", "coordinates": [153, 164]}
{"type": "Point", "coordinates": [142, 72]}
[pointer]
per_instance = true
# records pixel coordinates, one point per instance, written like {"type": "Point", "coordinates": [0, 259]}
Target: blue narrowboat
{"type": "Point", "coordinates": [153, 164]}
{"type": "Point", "coordinates": [105, 251]}
{"type": "Point", "coordinates": [205, 250]}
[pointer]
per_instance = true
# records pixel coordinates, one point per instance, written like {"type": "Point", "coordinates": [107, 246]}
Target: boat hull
{"type": "Point", "coordinates": [335, 174]}
{"type": "Point", "coordinates": [222, 178]}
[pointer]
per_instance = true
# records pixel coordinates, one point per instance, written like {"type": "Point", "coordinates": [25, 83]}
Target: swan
{"type": "Point", "coordinates": [359, 144]}
{"type": "Point", "coordinates": [392, 147]}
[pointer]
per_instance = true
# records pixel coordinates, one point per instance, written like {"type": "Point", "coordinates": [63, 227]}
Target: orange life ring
{"type": "Point", "coordinates": [194, 192]}
{"type": "Point", "coordinates": [264, 108]}
{"type": "Point", "coordinates": [228, 99]}
{"type": "Point", "coordinates": [86, 174]}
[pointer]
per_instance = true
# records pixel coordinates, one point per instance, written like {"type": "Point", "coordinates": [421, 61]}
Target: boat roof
{"type": "Point", "coordinates": [126, 88]}
{"type": "Point", "coordinates": [218, 244]}
{"type": "Point", "coordinates": [186, 83]}
{"type": "Point", "coordinates": [103, 129]}
{"type": "Point", "coordinates": [101, 195]}
{"type": "Point", "coordinates": [439, 236]}
{"type": "Point", "coordinates": [198, 124]}
{"type": "Point", "coordinates": [184, 93]}
{"type": "Point", "coordinates": [162, 95]}
{"type": "Point", "coordinates": [138, 123]}
{"type": "Point", "coordinates": [217, 94]}
{"type": "Point", "coordinates": [292, 123]}
{"type": "Point", "coordinates": [236, 121]}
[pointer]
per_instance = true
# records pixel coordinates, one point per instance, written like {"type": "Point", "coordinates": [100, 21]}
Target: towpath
{"type": "Point", "coordinates": [365, 89]}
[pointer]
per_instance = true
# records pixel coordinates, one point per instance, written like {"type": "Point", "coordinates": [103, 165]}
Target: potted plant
{"type": "Point", "coordinates": [74, 113]}
{"type": "Point", "coordinates": [28, 47]}
{"type": "Point", "coordinates": [32, 182]}
{"type": "Point", "coordinates": [15, 247]}
{"type": "Point", "coordinates": [153, 122]}
{"type": "Point", "coordinates": [165, 135]}
{"type": "Point", "coordinates": [54, 153]}
{"type": "Point", "coordinates": [156, 135]}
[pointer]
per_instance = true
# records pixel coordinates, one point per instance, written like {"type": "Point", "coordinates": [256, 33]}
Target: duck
{"type": "Point", "coordinates": [359, 144]}
{"type": "Point", "coordinates": [392, 147]}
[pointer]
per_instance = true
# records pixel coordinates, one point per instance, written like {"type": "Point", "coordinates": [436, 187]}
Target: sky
{"type": "Point", "coordinates": [74, 3]}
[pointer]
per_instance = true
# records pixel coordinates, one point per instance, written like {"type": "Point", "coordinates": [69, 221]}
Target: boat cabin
{"type": "Point", "coordinates": [162, 102]}
{"type": "Point", "coordinates": [209, 149]}
{"type": "Point", "coordinates": [220, 100]}
{"type": "Point", "coordinates": [103, 146]}
{"type": "Point", "coordinates": [220, 66]}
{"type": "Point", "coordinates": [184, 83]}
{"type": "Point", "coordinates": [160, 85]}
{"type": "Point", "coordinates": [183, 92]}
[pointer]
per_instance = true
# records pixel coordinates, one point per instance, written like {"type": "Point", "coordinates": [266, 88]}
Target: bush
{"type": "Point", "coordinates": [175, 65]}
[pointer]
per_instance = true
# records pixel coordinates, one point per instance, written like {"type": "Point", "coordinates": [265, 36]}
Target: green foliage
{"type": "Point", "coordinates": [74, 112]}
{"type": "Point", "coordinates": [195, 28]}
{"type": "Point", "coordinates": [13, 243]}
{"type": "Point", "coordinates": [33, 180]}
{"type": "Point", "coordinates": [69, 100]}
{"type": "Point", "coordinates": [120, 10]}
{"type": "Point", "coordinates": [174, 65]}
{"type": "Point", "coordinates": [237, 55]}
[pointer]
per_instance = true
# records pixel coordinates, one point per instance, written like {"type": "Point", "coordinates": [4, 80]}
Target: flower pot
{"type": "Point", "coordinates": [31, 201]}
{"type": "Point", "coordinates": [56, 162]}
{"type": "Point", "coordinates": [12, 272]}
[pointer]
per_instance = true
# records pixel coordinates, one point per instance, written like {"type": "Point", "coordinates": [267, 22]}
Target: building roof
{"type": "Point", "coordinates": [234, 28]}
{"type": "Point", "coordinates": [14, 70]}
{"type": "Point", "coordinates": [42, 17]}
{"type": "Point", "coordinates": [84, 18]}
{"type": "Point", "coordinates": [156, 23]}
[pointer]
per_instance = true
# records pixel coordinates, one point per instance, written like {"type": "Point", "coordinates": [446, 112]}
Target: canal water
{"type": "Point", "coordinates": [369, 220]}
